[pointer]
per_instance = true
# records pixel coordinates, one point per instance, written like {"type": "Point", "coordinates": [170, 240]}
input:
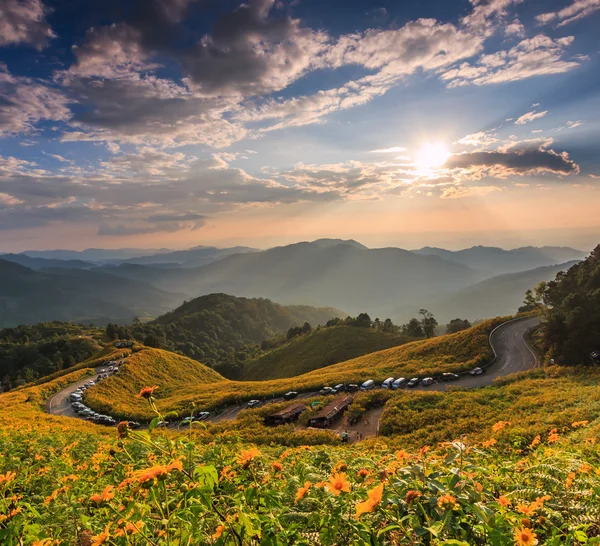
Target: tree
{"type": "Point", "coordinates": [413, 328]}
{"type": "Point", "coordinates": [428, 323]}
{"type": "Point", "coordinates": [111, 332]}
{"type": "Point", "coordinates": [363, 320]}
{"type": "Point", "coordinates": [457, 325]}
{"type": "Point", "coordinates": [152, 341]}
{"type": "Point", "coordinates": [532, 300]}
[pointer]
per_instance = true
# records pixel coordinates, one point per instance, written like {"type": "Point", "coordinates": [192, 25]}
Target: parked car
{"type": "Point", "coordinates": [413, 382]}
{"type": "Point", "coordinates": [427, 381]}
{"type": "Point", "coordinates": [340, 387]}
{"type": "Point", "coordinates": [106, 420]}
{"type": "Point", "coordinates": [187, 420]}
{"type": "Point", "coordinates": [447, 376]}
{"type": "Point", "coordinates": [326, 391]}
{"type": "Point", "coordinates": [387, 384]}
{"type": "Point", "coordinates": [290, 395]}
{"type": "Point", "coordinates": [596, 357]}
{"type": "Point", "coordinates": [367, 385]}
{"type": "Point", "coordinates": [352, 387]}
{"type": "Point", "coordinates": [253, 403]}
{"type": "Point", "coordinates": [133, 424]}
{"type": "Point", "coordinates": [399, 383]}
{"type": "Point", "coordinates": [476, 371]}
{"type": "Point", "coordinates": [162, 424]}
{"type": "Point", "coordinates": [202, 416]}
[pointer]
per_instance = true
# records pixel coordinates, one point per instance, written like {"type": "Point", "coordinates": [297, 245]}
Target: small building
{"type": "Point", "coordinates": [123, 344]}
{"type": "Point", "coordinates": [287, 415]}
{"type": "Point", "coordinates": [330, 412]}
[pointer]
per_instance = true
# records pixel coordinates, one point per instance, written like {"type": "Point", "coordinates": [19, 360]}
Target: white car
{"type": "Point", "coordinates": [253, 403]}
{"type": "Point", "coordinates": [476, 371]}
{"type": "Point", "coordinates": [427, 381]}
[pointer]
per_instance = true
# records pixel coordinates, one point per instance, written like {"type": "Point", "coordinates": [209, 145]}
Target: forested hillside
{"type": "Point", "coordinates": [220, 330]}
{"type": "Point", "coordinates": [571, 329]}
{"type": "Point", "coordinates": [29, 352]}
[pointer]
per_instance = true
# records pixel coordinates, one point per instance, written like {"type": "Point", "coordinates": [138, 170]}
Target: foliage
{"type": "Point", "coordinates": [72, 485]}
{"type": "Point", "coordinates": [322, 347]}
{"type": "Point", "coordinates": [457, 325]}
{"type": "Point", "coordinates": [571, 329]}
{"type": "Point", "coordinates": [28, 352]}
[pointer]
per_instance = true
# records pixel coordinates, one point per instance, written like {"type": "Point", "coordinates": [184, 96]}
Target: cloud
{"type": "Point", "coordinates": [515, 28]}
{"type": "Point", "coordinates": [460, 192]}
{"type": "Point", "coordinates": [24, 102]}
{"type": "Point", "coordinates": [529, 117]}
{"type": "Point", "coordinates": [537, 56]}
{"type": "Point", "coordinates": [573, 124]}
{"type": "Point", "coordinates": [165, 223]}
{"type": "Point", "coordinates": [392, 150]}
{"type": "Point", "coordinates": [513, 161]}
{"type": "Point", "coordinates": [23, 22]}
{"type": "Point", "coordinates": [573, 12]}
{"type": "Point", "coordinates": [481, 139]}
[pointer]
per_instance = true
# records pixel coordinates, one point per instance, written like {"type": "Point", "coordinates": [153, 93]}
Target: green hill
{"type": "Point", "coordinates": [318, 349]}
{"type": "Point", "coordinates": [222, 331]}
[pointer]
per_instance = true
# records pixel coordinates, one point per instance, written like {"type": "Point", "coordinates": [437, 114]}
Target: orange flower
{"type": "Point", "coordinates": [534, 442]}
{"type": "Point", "coordinates": [500, 425]}
{"type": "Point", "coordinates": [147, 392]}
{"type": "Point", "coordinates": [277, 466]}
{"type": "Point", "coordinates": [402, 455]}
{"type": "Point", "coordinates": [363, 473]}
{"type": "Point", "coordinates": [102, 537]}
{"type": "Point", "coordinates": [412, 496]}
{"type": "Point", "coordinates": [218, 532]}
{"type": "Point", "coordinates": [570, 479]}
{"type": "Point", "coordinates": [503, 501]}
{"type": "Point", "coordinates": [44, 542]}
{"type": "Point", "coordinates": [447, 502]}
{"type": "Point", "coordinates": [553, 437]}
{"type": "Point", "coordinates": [7, 478]}
{"type": "Point", "coordinates": [302, 491]}
{"type": "Point", "coordinates": [338, 483]}
{"type": "Point", "coordinates": [525, 537]}
{"type": "Point", "coordinates": [156, 472]}
{"type": "Point", "coordinates": [489, 443]}
{"type": "Point", "coordinates": [371, 503]}
{"type": "Point", "coordinates": [106, 495]}
{"type": "Point", "coordinates": [247, 456]}
{"type": "Point", "coordinates": [528, 510]}
{"type": "Point", "coordinates": [578, 424]}
{"type": "Point", "coordinates": [128, 528]}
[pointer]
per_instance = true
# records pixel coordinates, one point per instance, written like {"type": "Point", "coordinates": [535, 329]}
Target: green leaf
{"type": "Point", "coordinates": [153, 424]}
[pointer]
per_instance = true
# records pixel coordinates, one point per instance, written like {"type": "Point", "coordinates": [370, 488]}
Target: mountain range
{"type": "Point", "coordinates": [386, 282]}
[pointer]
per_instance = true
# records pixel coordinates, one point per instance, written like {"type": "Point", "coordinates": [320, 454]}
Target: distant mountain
{"type": "Point", "coordinates": [326, 243]}
{"type": "Point", "coordinates": [94, 254]}
{"type": "Point", "coordinates": [342, 275]}
{"type": "Point", "coordinates": [28, 296]}
{"type": "Point", "coordinates": [498, 296]}
{"type": "Point", "coordinates": [496, 261]}
{"type": "Point", "coordinates": [41, 263]}
{"type": "Point", "coordinates": [194, 257]}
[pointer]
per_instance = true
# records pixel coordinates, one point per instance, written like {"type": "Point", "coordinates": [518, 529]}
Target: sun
{"type": "Point", "coordinates": [432, 155]}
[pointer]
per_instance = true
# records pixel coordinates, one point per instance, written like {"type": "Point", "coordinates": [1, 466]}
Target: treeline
{"type": "Point", "coordinates": [30, 352]}
{"type": "Point", "coordinates": [571, 308]}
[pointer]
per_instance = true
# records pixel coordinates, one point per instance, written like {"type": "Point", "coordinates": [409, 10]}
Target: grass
{"type": "Point", "coordinates": [183, 383]}
{"type": "Point", "coordinates": [320, 348]}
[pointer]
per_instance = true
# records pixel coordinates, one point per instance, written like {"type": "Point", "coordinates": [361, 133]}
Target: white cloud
{"type": "Point", "coordinates": [481, 139]}
{"type": "Point", "coordinates": [573, 12]}
{"type": "Point", "coordinates": [515, 28]}
{"type": "Point", "coordinates": [529, 117]}
{"type": "Point", "coordinates": [573, 124]}
{"type": "Point", "coordinates": [392, 150]}
{"type": "Point", "coordinates": [24, 22]}
{"type": "Point", "coordinates": [537, 56]}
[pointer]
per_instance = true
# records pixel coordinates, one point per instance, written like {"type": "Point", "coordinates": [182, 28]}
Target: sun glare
{"type": "Point", "coordinates": [432, 155]}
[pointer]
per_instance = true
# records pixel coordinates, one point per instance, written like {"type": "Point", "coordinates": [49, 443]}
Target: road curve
{"type": "Point", "coordinates": [507, 341]}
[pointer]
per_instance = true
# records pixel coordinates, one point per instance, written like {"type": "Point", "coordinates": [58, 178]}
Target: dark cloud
{"type": "Point", "coordinates": [514, 162]}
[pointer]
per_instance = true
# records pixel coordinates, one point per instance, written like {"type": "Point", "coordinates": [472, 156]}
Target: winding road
{"type": "Point", "coordinates": [507, 341]}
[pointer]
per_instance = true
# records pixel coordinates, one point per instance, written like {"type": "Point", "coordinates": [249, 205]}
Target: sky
{"type": "Point", "coordinates": [176, 123]}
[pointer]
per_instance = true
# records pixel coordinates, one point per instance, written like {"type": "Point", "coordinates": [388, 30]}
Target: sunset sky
{"type": "Point", "coordinates": [175, 123]}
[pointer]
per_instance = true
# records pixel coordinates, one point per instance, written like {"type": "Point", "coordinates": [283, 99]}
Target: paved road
{"type": "Point", "coordinates": [507, 341]}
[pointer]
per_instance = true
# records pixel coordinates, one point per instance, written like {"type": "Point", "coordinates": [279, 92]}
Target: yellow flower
{"type": "Point", "coordinates": [106, 495]}
{"type": "Point", "coordinates": [218, 532]}
{"type": "Point", "coordinates": [302, 491]}
{"type": "Point", "coordinates": [156, 472]}
{"type": "Point", "coordinates": [371, 503]}
{"type": "Point", "coordinates": [525, 537]}
{"type": "Point", "coordinates": [338, 483]}
{"type": "Point", "coordinates": [528, 510]}
{"type": "Point", "coordinates": [447, 502]}
{"type": "Point", "coordinates": [247, 456]}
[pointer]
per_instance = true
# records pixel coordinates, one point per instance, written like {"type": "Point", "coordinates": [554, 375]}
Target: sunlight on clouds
{"type": "Point", "coordinates": [431, 155]}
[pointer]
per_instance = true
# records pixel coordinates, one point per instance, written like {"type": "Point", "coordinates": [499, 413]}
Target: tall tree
{"type": "Point", "coordinates": [457, 325]}
{"type": "Point", "coordinates": [428, 322]}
